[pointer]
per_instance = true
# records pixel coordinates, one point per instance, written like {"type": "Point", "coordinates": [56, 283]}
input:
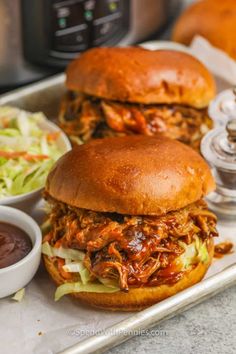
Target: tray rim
{"type": "Point", "coordinates": [21, 92]}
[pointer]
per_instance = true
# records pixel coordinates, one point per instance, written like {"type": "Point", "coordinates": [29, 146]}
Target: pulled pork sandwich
{"type": "Point", "coordinates": [128, 226]}
{"type": "Point", "coordinates": [126, 91]}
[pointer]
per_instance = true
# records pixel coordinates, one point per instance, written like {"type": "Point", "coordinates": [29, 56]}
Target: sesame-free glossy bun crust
{"type": "Point", "coordinates": [213, 19]}
{"type": "Point", "coordinates": [137, 298]}
{"type": "Point", "coordinates": [139, 75]}
{"type": "Point", "coordinates": [135, 175]}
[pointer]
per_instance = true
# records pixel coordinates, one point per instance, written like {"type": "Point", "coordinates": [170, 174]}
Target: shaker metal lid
{"type": "Point", "coordinates": [223, 107]}
{"type": "Point", "coordinates": [219, 146]}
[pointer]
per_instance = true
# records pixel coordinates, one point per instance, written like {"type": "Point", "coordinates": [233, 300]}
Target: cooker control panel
{"type": "Point", "coordinates": [64, 28]}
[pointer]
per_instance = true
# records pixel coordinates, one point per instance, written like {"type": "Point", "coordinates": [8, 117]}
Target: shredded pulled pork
{"type": "Point", "coordinates": [83, 117]}
{"type": "Point", "coordinates": [133, 250]}
{"type": "Point", "coordinates": [223, 249]}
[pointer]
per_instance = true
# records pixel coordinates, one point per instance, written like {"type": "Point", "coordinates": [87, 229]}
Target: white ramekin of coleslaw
{"type": "Point", "coordinates": [29, 146]}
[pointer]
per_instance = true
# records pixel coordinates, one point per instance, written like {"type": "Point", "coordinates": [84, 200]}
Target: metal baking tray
{"type": "Point", "coordinates": [42, 96]}
{"type": "Point", "coordinates": [45, 96]}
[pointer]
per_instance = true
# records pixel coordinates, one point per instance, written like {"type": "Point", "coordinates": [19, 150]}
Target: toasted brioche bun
{"type": "Point", "coordinates": [137, 298]}
{"type": "Point", "coordinates": [141, 76]}
{"type": "Point", "coordinates": [213, 19]}
{"type": "Point", "coordinates": [135, 175]}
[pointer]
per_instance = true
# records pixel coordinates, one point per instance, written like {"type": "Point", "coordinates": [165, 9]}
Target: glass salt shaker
{"type": "Point", "coordinates": [223, 107]}
{"type": "Point", "coordinates": [219, 149]}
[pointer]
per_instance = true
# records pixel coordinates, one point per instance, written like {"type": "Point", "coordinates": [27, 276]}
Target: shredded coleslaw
{"type": "Point", "coordinates": [27, 151]}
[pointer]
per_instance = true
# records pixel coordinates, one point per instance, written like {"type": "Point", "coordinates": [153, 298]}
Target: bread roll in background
{"type": "Point", "coordinates": [214, 20]}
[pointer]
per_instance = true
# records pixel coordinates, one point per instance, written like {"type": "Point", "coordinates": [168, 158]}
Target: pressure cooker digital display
{"type": "Point", "coordinates": [78, 25]}
{"type": "Point", "coordinates": [62, 29]}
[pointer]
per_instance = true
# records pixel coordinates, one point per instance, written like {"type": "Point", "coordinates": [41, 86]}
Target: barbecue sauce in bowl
{"type": "Point", "coordinates": [15, 244]}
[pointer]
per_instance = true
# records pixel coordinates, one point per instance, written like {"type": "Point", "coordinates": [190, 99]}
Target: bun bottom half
{"type": "Point", "coordinates": [137, 298]}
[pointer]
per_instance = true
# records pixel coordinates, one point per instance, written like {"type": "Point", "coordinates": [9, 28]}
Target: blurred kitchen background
{"type": "Point", "coordinates": [39, 37]}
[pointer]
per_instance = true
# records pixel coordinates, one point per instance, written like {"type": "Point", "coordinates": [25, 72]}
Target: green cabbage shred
{"type": "Point", "coordinates": [194, 253]}
{"type": "Point", "coordinates": [24, 132]}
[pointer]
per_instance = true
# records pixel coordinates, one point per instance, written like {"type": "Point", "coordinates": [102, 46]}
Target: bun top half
{"type": "Point", "coordinates": [138, 75]}
{"type": "Point", "coordinates": [135, 175]}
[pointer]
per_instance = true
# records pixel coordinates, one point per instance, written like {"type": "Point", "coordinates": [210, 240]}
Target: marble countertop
{"type": "Point", "coordinates": [209, 327]}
